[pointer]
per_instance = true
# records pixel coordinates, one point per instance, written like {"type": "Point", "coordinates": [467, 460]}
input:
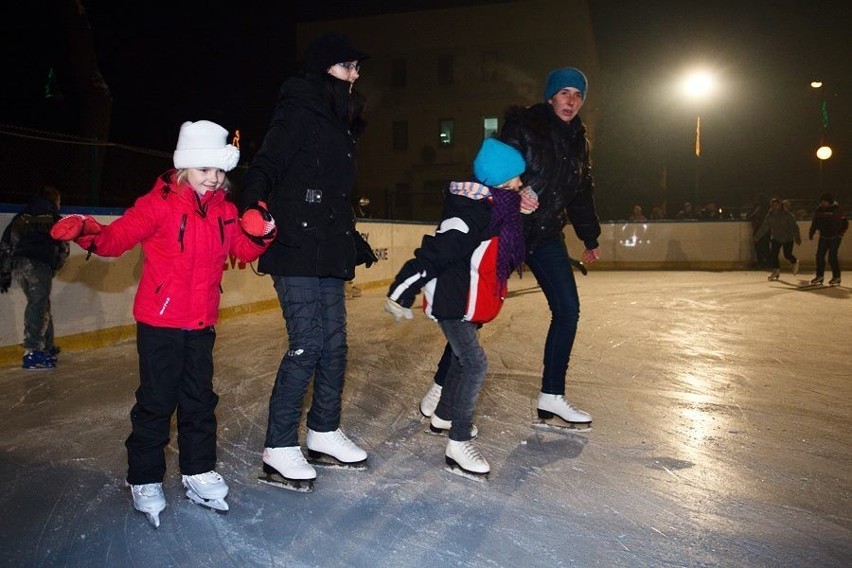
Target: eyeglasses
{"type": "Point", "coordinates": [350, 66]}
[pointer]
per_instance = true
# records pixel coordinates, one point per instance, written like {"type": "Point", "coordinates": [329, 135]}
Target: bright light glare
{"type": "Point", "coordinates": [699, 84]}
{"type": "Point", "coordinates": [816, 84]}
{"type": "Point", "coordinates": [823, 153]}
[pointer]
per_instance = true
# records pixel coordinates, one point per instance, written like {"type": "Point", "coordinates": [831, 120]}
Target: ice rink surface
{"type": "Point", "coordinates": [722, 421]}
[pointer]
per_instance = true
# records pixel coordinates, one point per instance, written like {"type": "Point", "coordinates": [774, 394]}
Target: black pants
{"type": "Point", "coordinates": [776, 247]}
{"type": "Point", "coordinates": [175, 371]}
{"type": "Point", "coordinates": [314, 310]}
{"type": "Point", "coordinates": [830, 247]}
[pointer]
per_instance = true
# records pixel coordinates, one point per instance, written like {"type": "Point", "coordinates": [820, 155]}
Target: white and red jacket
{"type": "Point", "coordinates": [186, 240]}
{"type": "Point", "coordinates": [456, 267]}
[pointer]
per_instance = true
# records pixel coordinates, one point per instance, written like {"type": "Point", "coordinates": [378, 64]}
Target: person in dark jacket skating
{"type": "Point", "coordinates": [305, 171]}
{"type": "Point", "coordinates": [28, 251]}
{"type": "Point", "coordinates": [831, 223]}
{"type": "Point", "coordinates": [552, 139]}
{"type": "Point", "coordinates": [463, 269]}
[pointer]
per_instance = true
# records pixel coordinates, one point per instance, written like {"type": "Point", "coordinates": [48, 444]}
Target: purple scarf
{"type": "Point", "coordinates": [506, 219]}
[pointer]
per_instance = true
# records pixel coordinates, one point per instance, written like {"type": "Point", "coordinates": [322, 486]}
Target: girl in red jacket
{"type": "Point", "coordinates": [187, 229]}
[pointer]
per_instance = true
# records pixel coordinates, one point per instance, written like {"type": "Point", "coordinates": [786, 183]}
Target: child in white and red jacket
{"type": "Point", "coordinates": [187, 229]}
{"type": "Point", "coordinates": [463, 269]}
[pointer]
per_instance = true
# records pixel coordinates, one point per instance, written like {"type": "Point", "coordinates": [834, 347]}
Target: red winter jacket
{"type": "Point", "coordinates": [185, 243]}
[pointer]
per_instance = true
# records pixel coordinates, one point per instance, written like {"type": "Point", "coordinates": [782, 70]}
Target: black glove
{"type": "Point", "coordinates": [5, 282]}
{"type": "Point", "coordinates": [364, 252]}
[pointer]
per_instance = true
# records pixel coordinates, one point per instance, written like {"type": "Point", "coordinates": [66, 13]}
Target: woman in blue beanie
{"type": "Point", "coordinates": [552, 139]}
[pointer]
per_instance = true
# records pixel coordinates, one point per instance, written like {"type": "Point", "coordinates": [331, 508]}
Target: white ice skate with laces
{"type": "Point", "coordinates": [465, 459]}
{"type": "Point", "coordinates": [287, 468]}
{"type": "Point", "coordinates": [554, 412]}
{"type": "Point", "coordinates": [207, 489]}
{"type": "Point", "coordinates": [149, 499]}
{"type": "Point", "coordinates": [334, 449]}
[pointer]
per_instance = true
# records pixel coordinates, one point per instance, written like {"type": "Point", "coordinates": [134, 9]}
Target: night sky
{"type": "Point", "coordinates": [166, 62]}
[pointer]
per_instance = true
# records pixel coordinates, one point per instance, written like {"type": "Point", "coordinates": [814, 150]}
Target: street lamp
{"type": "Point", "coordinates": [697, 86]}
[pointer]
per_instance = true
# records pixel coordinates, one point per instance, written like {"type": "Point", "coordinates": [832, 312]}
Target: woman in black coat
{"type": "Point", "coordinates": [305, 172]}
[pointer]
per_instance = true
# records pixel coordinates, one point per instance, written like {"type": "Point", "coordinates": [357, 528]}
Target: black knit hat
{"type": "Point", "coordinates": [328, 49]}
{"type": "Point", "coordinates": [827, 197]}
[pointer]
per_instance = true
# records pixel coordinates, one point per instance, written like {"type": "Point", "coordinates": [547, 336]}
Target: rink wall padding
{"type": "Point", "coordinates": [92, 299]}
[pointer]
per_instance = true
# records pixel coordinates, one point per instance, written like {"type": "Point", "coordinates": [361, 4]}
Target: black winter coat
{"type": "Point", "coordinates": [305, 171]}
{"type": "Point", "coordinates": [558, 170]}
{"type": "Point", "coordinates": [830, 221]}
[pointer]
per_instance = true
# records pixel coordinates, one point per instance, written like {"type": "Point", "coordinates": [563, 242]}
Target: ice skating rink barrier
{"type": "Point", "coordinates": [92, 299]}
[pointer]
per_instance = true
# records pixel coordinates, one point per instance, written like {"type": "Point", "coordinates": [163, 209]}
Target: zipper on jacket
{"type": "Point", "coordinates": [202, 209]}
{"type": "Point", "coordinates": [221, 230]}
{"type": "Point", "coordinates": [182, 230]}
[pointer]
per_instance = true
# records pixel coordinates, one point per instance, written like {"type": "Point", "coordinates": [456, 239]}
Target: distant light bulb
{"type": "Point", "coordinates": [823, 153]}
{"type": "Point", "coordinates": [816, 84]}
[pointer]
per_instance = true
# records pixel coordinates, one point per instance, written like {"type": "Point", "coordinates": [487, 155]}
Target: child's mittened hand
{"type": "Point", "coordinates": [68, 228]}
{"type": "Point", "coordinates": [257, 221]}
{"type": "Point", "coordinates": [397, 311]}
{"type": "Point", "coordinates": [71, 227]}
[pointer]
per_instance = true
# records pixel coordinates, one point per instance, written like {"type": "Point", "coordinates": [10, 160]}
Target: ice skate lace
{"type": "Point", "coordinates": [471, 452]}
{"type": "Point", "coordinates": [147, 490]}
{"type": "Point", "coordinates": [294, 456]}
{"type": "Point", "coordinates": [338, 438]}
{"type": "Point", "coordinates": [206, 478]}
{"type": "Point", "coordinates": [434, 395]}
{"type": "Point", "coordinates": [568, 404]}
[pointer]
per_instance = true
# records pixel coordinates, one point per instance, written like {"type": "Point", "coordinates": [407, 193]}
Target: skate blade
{"type": "Point", "coordinates": [324, 460]}
{"type": "Point", "coordinates": [218, 505]}
{"type": "Point", "coordinates": [298, 485]}
{"type": "Point", "coordinates": [438, 432]}
{"type": "Point", "coordinates": [153, 518]}
{"type": "Point", "coordinates": [561, 426]}
{"type": "Point", "coordinates": [457, 470]}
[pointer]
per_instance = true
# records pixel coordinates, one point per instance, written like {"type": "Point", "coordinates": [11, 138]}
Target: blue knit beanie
{"type": "Point", "coordinates": [496, 163]}
{"type": "Point", "coordinates": [566, 77]}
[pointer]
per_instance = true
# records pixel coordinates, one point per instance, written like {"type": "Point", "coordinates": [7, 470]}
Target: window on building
{"type": "Point", "coordinates": [489, 127]}
{"type": "Point", "coordinates": [445, 133]}
{"type": "Point", "coordinates": [445, 70]}
{"type": "Point", "coordinates": [399, 72]}
{"type": "Point", "coordinates": [400, 135]}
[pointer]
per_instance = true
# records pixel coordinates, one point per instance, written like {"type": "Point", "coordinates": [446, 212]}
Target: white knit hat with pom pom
{"type": "Point", "coordinates": [204, 144]}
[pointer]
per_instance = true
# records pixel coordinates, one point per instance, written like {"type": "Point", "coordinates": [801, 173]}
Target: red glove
{"type": "Point", "coordinates": [257, 222]}
{"type": "Point", "coordinates": [71, 227]}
